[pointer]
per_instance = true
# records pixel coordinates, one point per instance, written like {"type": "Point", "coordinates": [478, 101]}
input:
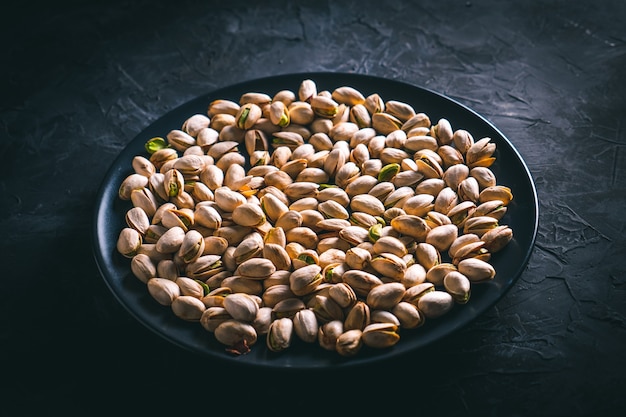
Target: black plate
{"type": "Point", "coordinates": [509, 168]}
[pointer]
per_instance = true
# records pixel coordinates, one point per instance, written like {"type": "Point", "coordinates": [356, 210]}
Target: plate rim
{"type": "Point", "coordinates": [340, 362]}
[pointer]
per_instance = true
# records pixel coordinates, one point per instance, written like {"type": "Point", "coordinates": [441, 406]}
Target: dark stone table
{"type": "Point", "coordinates": [79, 80]}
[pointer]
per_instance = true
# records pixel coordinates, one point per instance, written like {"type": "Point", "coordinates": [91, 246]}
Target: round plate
{"type": "Point", "coordinates": [509, 168]}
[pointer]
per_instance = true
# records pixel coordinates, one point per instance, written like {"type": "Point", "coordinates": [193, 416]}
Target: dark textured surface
{"type": "Point", "coordinates": [79, 81]}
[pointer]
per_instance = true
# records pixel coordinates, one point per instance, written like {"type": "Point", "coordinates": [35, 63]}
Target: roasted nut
{"type": "Point", "coordinates": [338, 217]}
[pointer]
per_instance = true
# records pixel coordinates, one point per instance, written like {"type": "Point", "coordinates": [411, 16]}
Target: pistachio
{"type": "Point", "coordinates": [236, 335]}
{"type": "Point", "coordinates": [435, 304]}
{"type": "Point", "coordinates": [344, 219]}
{"type": "Point", "coordinates": [188, 308]}
{"type": "Point", "coordinates": [380, 335]}
{"type": "Point", "coordinates": [305, 325]}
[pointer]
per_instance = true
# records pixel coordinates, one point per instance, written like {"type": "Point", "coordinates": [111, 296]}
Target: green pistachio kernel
{"type": "Point", "coordinates": [155, 144]}
{"type": "Point", "coordinates": [388, 172]}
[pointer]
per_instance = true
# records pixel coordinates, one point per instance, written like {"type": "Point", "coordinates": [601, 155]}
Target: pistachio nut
{"type": "Point", "coordinates": [305, 325]}
{"type": "Point", "coordinates": [349, 342]}
{"type": "Point", "coordinates": [241, 307]}
{"type": "Point", "coordinates": [188, 308]}
{"type": "Point", "coordinates": [435, 304]}
{"type": "Point", "coordinates": [476, 270]}
{"type": "Point", "coordinates": [237, 336]}
{"type": "Point", "coordinates": [328, 334]}
{"type": "Point", "coordinates": [380, 335]}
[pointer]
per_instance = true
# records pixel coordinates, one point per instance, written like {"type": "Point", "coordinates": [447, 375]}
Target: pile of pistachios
{"type": "Point", "coordinates": [328, 216]}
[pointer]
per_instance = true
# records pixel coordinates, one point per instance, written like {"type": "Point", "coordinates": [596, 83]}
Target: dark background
{"type": "Point", "coordinates": [79, 80]}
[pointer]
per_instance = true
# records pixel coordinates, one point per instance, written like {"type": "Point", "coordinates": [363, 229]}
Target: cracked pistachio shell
{"type": "Point", "coordinates": [163, 290]}
{"type": "Point", "coordinates": [429, 166]}
{"type": "Point", "coordinates": [142, 166]}
{"type": "Point", "coordinates": [414, 293]}
{"type": "Point", "coordinates": [385, 123]}
{"type": "Point", "coordinates": [222, 106]}
{"type": "Point", "coordinates": [360, 185]}
{"type": "Point", "coordinates": [190, 287]}
{"type": "Point", "coordinates": [472, 250]}
{"type": "Point", "coordinates": [380, 335]}
{"type": "Point", "coordinates": [348, 95]}
{"type": "Point", "coordinates": [430, 186]}
{"type": "Point", "coordinates": [389, 265]}
{"type": "Point", "coordinates": [349, 343]}
{"type": "Point", "coordinates": [385, 296]}
{"type": "Point", "coordinates": [484, 176]}
{"type": "Point", "coordinates": [446, 200]}
{"type": "Point", "coordinates": [215, 245]}
{"type": "Point", "coordinates": [330, 256]}
{"type": "Point", "coordinates": [461, 241]}
{"type": "Point", "coordinates": [497, 238]}
{"type": "Point", "coordinates": [358, 316]}
{"type": "Point", "coordinates": [143, 267]}
{"type": "Point", "coordinates": [208, 216]}
{"type": "Point", "coordinates": [236, 335]}
{"type": "Point", "coordinates": [137, 219]}
{"type": "Point", "coordinates": [458, 285]}
{"type": "Point", "coordinates": [361, 281]}
{"type": "Point", "coordinates": [328, 334]}
{"type": "Point", "coordinates": [303, 235]}
{"type": "Point", "coordinates": [278, 255]}
{"type": "Point", "coordinates": [144, 198]}
{"type": "Point", "coordinates": [326, 309]}
{"type": "Point", "coordinates": [411, 225]}
{"type": "Point", "coordinates": [304, 280]}
{"type": "Point", "coordinates": [128, 242]}
{"type": "Point", "coordinates": [213, 317]}
{"type": "Point", "coordinates": [354, 235]}
{"type": "Point", "coordinates": [492, 208]}
{"type": "Point", "coordinates": [305, 325]}
{"type": "Point", "coordinates": [402, 111]}
{"type": "Point", "coordinates": [216, 297]}
{"type": "Point", "coordinates": [171, 240]}
{"type": "Point", "coordinates": [248, 214]}
{"type": "Point", "coordinates": [455, 174]}
{"type": "Point", "coordinates": [435, 304]}
{"type": "Point", "coordinates": [227, 199]}
{"type": "Point", "coordinates": [130, 183]}
{"type": "Point", "coordinates": [408, 314]}
{"type": "Point", "coordinates": [180, 140]}
{"type": "Point", "coordinates": [256, 268]}
{"type": "Point", "coordinates": [212, 176]}
{"type": "Point", "coordinates": [280, 334]}
{"type": "Point", "coordinates": [357, 258]}
{"type": "Point", "coordinates": [480, 153]}
{"type": "Point", "coordinates": [241, 307]}
{"type": "Point", "coordinates": [276, 293]}
{"type": "Point", "coordinates": [437, 273]}
{"type": "Point", "coordinates": [241, 284]}
{"type": "Point", "coordinates": [443, 131]}
{"type": "Point", "coordinates": [415, 274]}
{"type": "Point", "coordinates": [204, 267]}
{"type": "Point", "coordinates": [262, 321]}
{"type": "Point", "coordinates": [342, 294]}
{"type": "Point", "coordinates": [459, 214]}
{"type": "Point", "coordinates": [496, 192]}
{"type": "Point", "coordinates": [398, 197]}
{"type": "Point", "coordinates": [462, 140]}
{"type": "Point", "coordinates": [419, 204]}
{"type": "Point", "coordinates": [367, 203]}
{"type": "Point", "coordinates": [206, 138]}
{"type": "Point", "coordinates": [441, 237]}
{"type": "Point", "coordinates": [192, 246]}
{"type": "Point", "coordinates": [479, 225]}
{"type": "Point", "coordinates": [188, 308]}
{"type": "Point", "coordinates": [476, 270]}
